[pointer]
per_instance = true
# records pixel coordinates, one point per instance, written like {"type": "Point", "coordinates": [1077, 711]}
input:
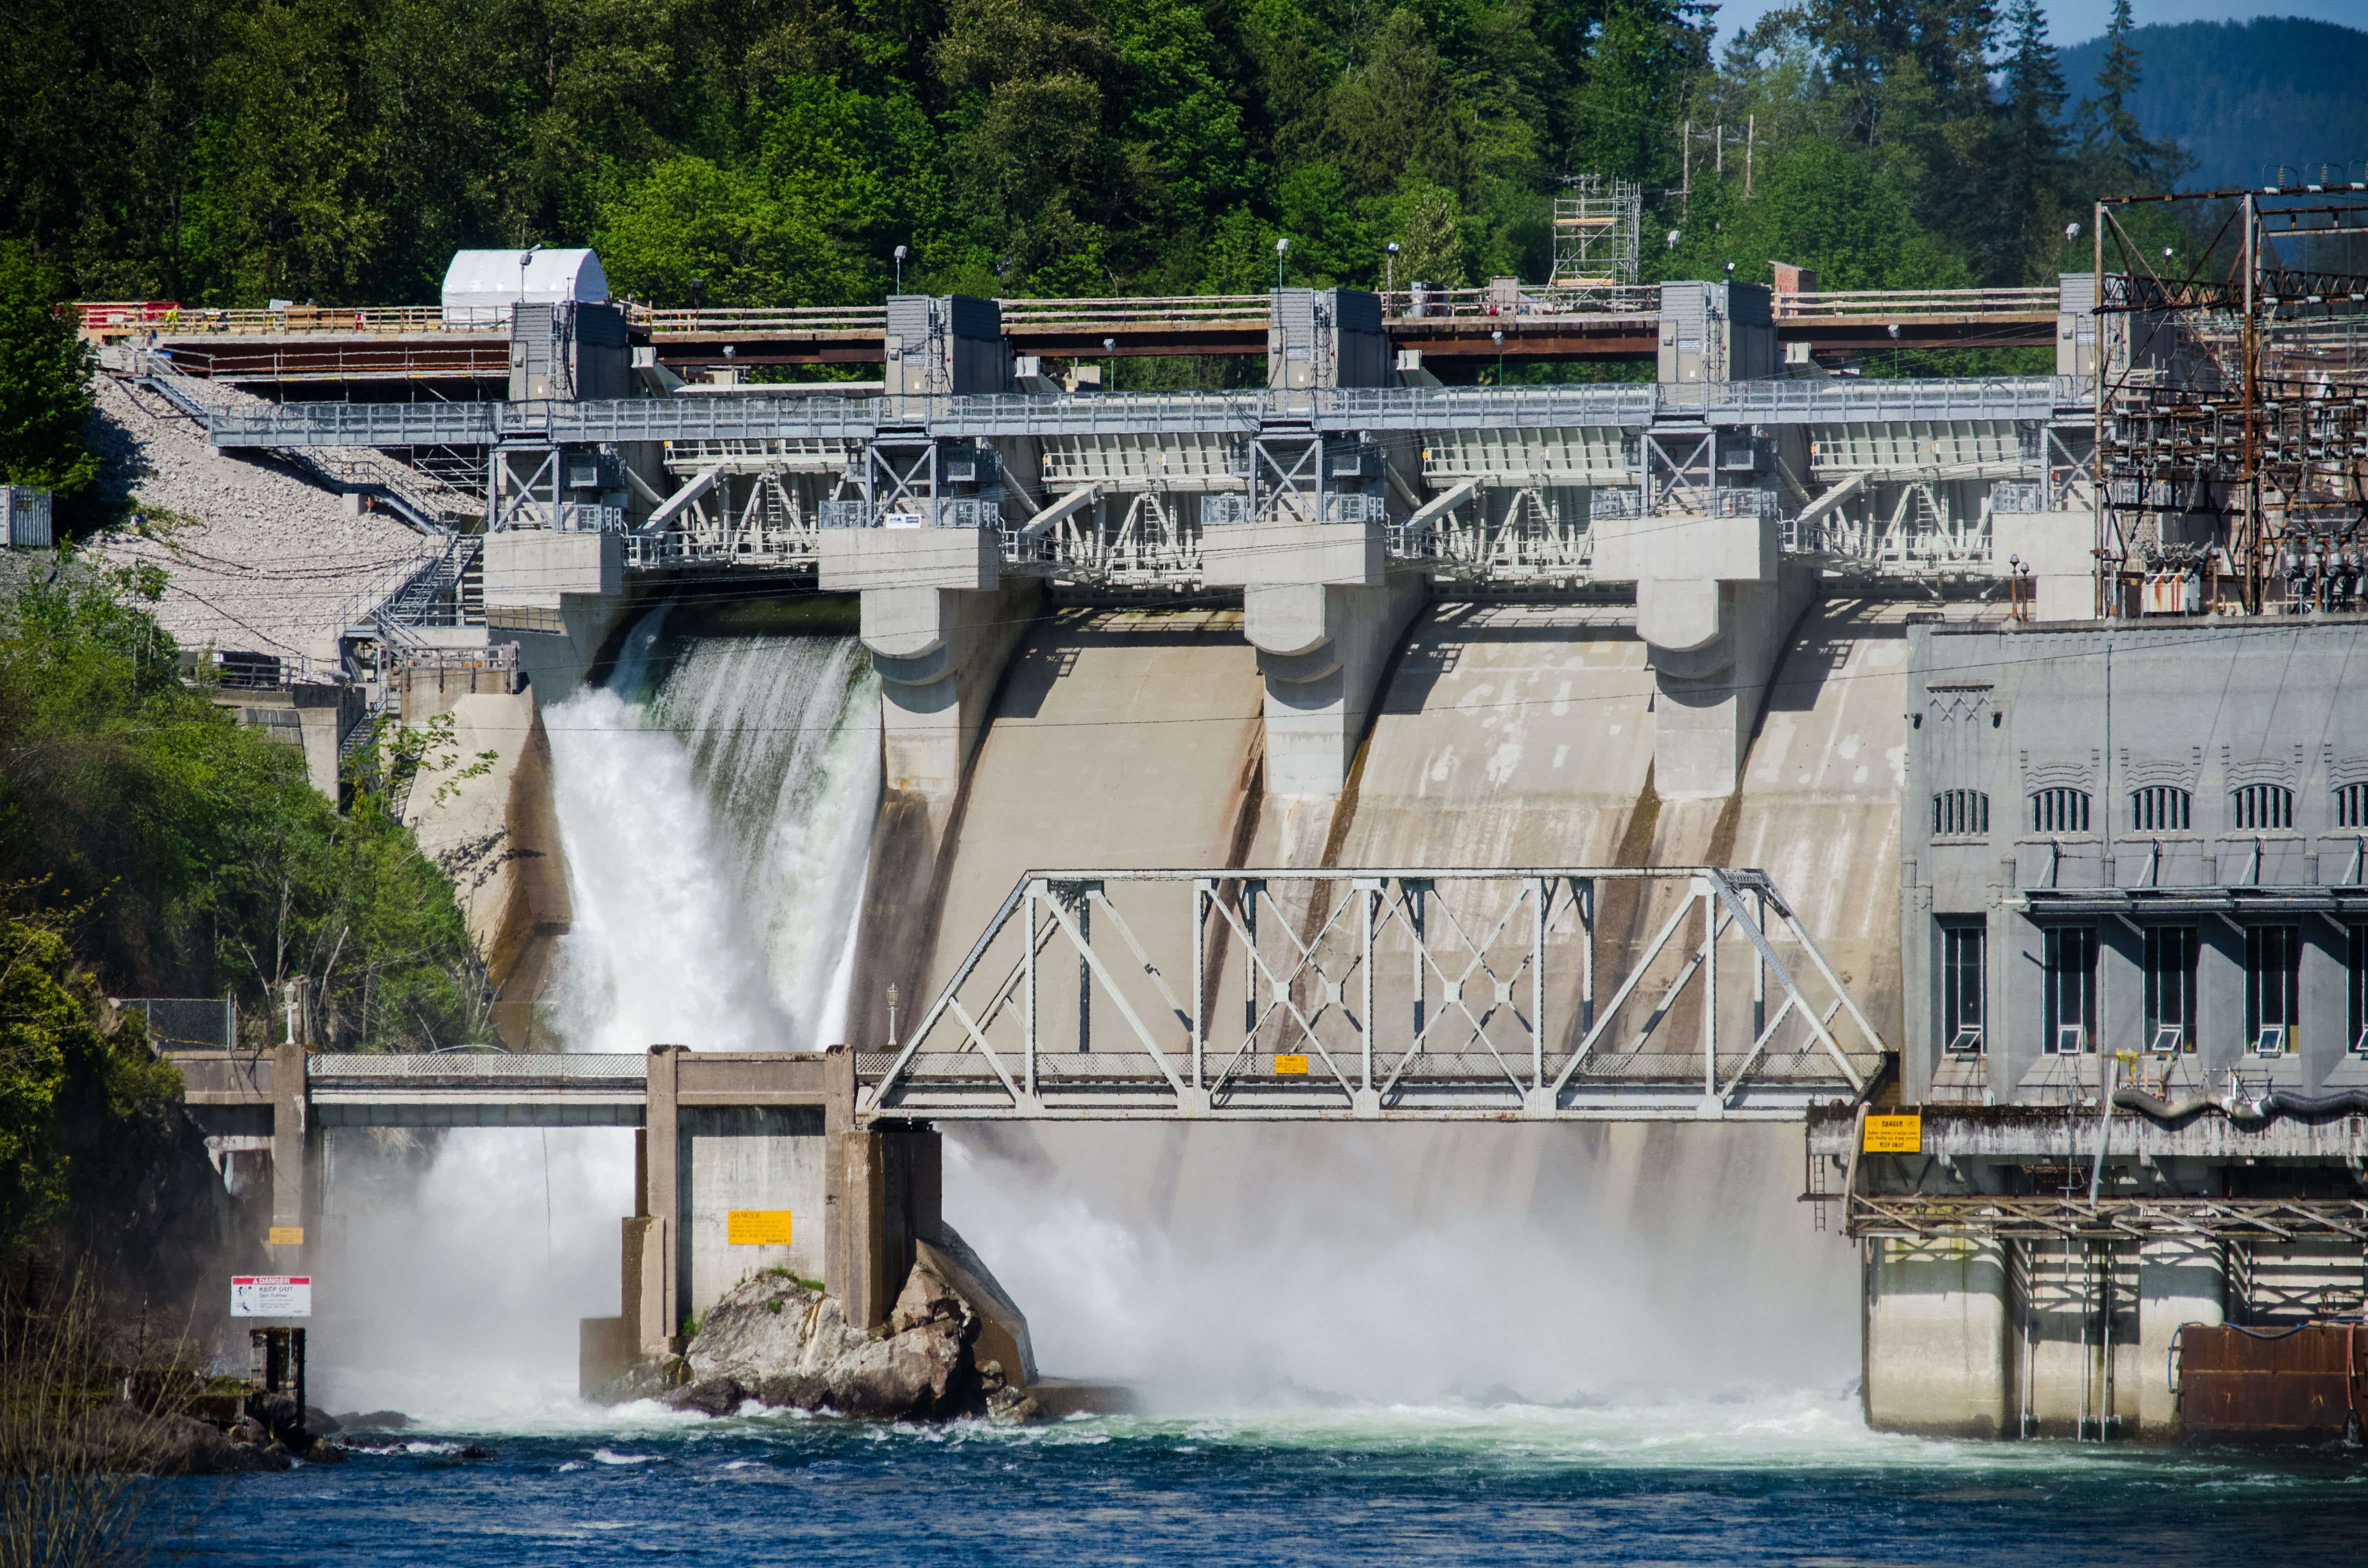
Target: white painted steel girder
{"type": "Point", "coordinates": [1383, 994]}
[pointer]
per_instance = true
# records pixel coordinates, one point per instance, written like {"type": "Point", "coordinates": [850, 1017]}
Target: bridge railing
{"type": "Point", "coordinates": [1908, 304]}
{"type": "Point", "coordinates": [1383, 994]}
{"type": "Point", "coordinates": [1151, 310]}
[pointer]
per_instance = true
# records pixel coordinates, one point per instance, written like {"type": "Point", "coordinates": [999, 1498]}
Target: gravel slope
{"type": "Point", "coordinates": [267, 561]}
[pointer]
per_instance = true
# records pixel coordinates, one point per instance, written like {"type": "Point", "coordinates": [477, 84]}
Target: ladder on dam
{"type": "Point", "coordinates": [1581, 993]}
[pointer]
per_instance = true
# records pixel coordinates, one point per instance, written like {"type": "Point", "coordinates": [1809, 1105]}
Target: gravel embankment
{"type": "Point", "coordinates": [267, 560]}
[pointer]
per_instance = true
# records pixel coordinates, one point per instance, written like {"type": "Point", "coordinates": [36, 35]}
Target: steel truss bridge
{"type": "Point", "coordinates": [1379, 995]}
{"type": "Point", "coordinates": [1251, 995]}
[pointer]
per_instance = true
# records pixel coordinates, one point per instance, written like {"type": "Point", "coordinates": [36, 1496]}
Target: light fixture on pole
{"type": "Point", "coordinates": [526, 259]}
{"type": "Point", "coordinates": [1389, 267]}
{"type": "Point", "coordinates": [1674, 237]}
{"type": "Point", "coordinates": [1893, 330]}
{"type": "Point", "coordinates": [1499, 336]}
{"type": "Point", "coordinates": [1110, 347]}
{"type": "Point", "coordinates": [900, 268]}
{"type": "Point", "coordinates": [1281, 249]}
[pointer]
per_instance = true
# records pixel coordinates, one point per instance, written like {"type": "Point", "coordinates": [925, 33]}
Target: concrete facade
{"type": "Point", "coordinates": [2107, 722]}
{"type": "Point", "coordinates": [2130, 853]}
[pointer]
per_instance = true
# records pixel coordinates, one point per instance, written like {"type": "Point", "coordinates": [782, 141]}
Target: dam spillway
{"type": "Point", "coordinates": [1344, 627]}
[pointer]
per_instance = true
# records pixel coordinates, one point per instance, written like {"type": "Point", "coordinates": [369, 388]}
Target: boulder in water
{"type": "Point", "coordinates": [783, 1343]}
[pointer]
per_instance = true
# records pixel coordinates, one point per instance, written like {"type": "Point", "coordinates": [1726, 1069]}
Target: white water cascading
{"type": "Point", "coordinates": [715, 799]}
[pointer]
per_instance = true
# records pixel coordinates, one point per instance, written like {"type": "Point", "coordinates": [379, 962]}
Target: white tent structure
{"type": "Point", "coordinates": [481, 286]}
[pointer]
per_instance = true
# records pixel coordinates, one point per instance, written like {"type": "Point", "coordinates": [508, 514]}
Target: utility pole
{"type": "Point", "coordinates": [1686, 169]}
{"type": "Point", "coordinates": [1750, 135]}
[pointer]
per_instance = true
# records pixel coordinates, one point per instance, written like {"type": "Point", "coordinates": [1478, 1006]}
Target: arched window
{"type": "Point", "coordinates": [2160, 808]}
{"type": "Point", "coordinates": [2062, 810]}
{"type": "Point", "coordinates": [2261, 806]}
{"type": "Point", "coordinates": [1961, 813]}
{"type": "Point", "coordinates": [2351, 806]}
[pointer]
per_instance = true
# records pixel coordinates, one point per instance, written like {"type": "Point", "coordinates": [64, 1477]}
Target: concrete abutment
{"type": "Point", "coordinates": [754, 1162]}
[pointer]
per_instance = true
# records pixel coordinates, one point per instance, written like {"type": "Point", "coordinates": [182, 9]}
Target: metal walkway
{"type": "Point", "coordinates": [770, 418]}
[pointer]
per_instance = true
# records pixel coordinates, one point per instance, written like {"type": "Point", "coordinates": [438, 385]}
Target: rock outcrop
{"type": "Point", "coordinates": [779, 1341]}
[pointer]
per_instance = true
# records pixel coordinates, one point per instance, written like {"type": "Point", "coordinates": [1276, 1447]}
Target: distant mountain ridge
{"type": "Point", "coordinates": [2240, 95]}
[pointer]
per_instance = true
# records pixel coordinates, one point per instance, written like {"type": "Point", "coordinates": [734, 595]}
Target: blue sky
{"type": "Point", "coordinates": [2077, 21]}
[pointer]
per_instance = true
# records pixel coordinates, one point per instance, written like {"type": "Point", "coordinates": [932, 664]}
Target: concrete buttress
{"type": "Point", "coordinates": [1323, 611]}
{"type": "Point", "coordinates": [1936, 1340]}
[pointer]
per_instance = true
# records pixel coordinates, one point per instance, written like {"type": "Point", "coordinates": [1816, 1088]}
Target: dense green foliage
{"type": "Point", "coordinates": [64, 1073]}
{"type": "Point", "coordinates": [221, 151]}
{"type": "Point", "coordinates": [205, 859]}
{"type": "Point", "coordinates": [44, 381]}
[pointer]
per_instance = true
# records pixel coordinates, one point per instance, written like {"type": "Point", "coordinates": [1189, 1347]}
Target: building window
{"type": "Point", "coordinates": [2272, 984]}
{"type": "Point", "coordinates": [2351, 806]}
{"type": "Point", "coordinates": [2262, 806]}
{"type": "Point", "coordinates": [2071, 1020]}
{"type": "Point", "coordinates": [2059, 811]}
{"type": "Point", "coordinates": [1960, 811]}
{"type": "Point", "coordinates": [2171, 988]}
{"type": "Point", "coordinates": [1963, 948]}
{"type": "Point", "coordinates": [2160, 809]}
{"type": "Point", "coordinates": [2358, 967]}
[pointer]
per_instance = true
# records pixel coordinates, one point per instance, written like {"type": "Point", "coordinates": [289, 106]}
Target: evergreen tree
{"type": "Point", "coordinates": [44, 381]}
{"type": "Point", "coordinates": [2027, 158]}
{"type": "Point", "coordinates": [2119, 158]}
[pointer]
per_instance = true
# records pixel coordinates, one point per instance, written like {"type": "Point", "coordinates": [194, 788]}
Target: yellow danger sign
{"type": "Point", "coordinates": [757, 1227]}
{"type": "Point", "coordinates": [1894, 1134]}
{"type": "Point", "coordinates": [286, 1236]}
{"type": "Point", "coordinates": [1290, 1066]}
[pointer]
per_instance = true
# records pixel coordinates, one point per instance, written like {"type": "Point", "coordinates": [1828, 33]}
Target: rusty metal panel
{"type": "Point", "coordinates": [2302, 1385]}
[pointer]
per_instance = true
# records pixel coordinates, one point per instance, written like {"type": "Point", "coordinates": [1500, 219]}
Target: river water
{"type": "Point", "coordinates": [1767, 1477]}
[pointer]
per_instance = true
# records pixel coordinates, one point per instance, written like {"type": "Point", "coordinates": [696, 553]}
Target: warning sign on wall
{"type": "Point", "coordinates": [271, 1296]}
{"type": "Point", "coordinates": [1290, 1066]}
{"type": "Point", "coordinates": [757, 1227]}
{"type": "Point", "coordinates": [1894, 1134]}
{"type": "Point", "coordinates": [285, 1236]}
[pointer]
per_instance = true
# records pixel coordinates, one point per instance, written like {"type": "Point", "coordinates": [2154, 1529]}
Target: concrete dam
{"type": "Point", "coordinates": [896, 802]}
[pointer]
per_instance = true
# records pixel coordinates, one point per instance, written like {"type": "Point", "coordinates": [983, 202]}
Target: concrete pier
{"type": "Point", "coordinates": [1937, 1333]}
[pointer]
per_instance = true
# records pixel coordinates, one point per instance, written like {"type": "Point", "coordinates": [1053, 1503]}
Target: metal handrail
{"type": "Point", "coordinates": [1907, 302]}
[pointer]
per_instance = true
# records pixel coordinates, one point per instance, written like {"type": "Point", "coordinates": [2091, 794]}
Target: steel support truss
{"type": "Point", "coordinates": [1428, 996]}
{"type": "Point", "coordinates": [2253, 1220]}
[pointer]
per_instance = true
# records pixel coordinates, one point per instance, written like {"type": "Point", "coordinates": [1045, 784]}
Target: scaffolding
{"type": "Point", "coordinates": [1596, 229]}
{"type": "Point", "coordinates": [2232, 417]}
